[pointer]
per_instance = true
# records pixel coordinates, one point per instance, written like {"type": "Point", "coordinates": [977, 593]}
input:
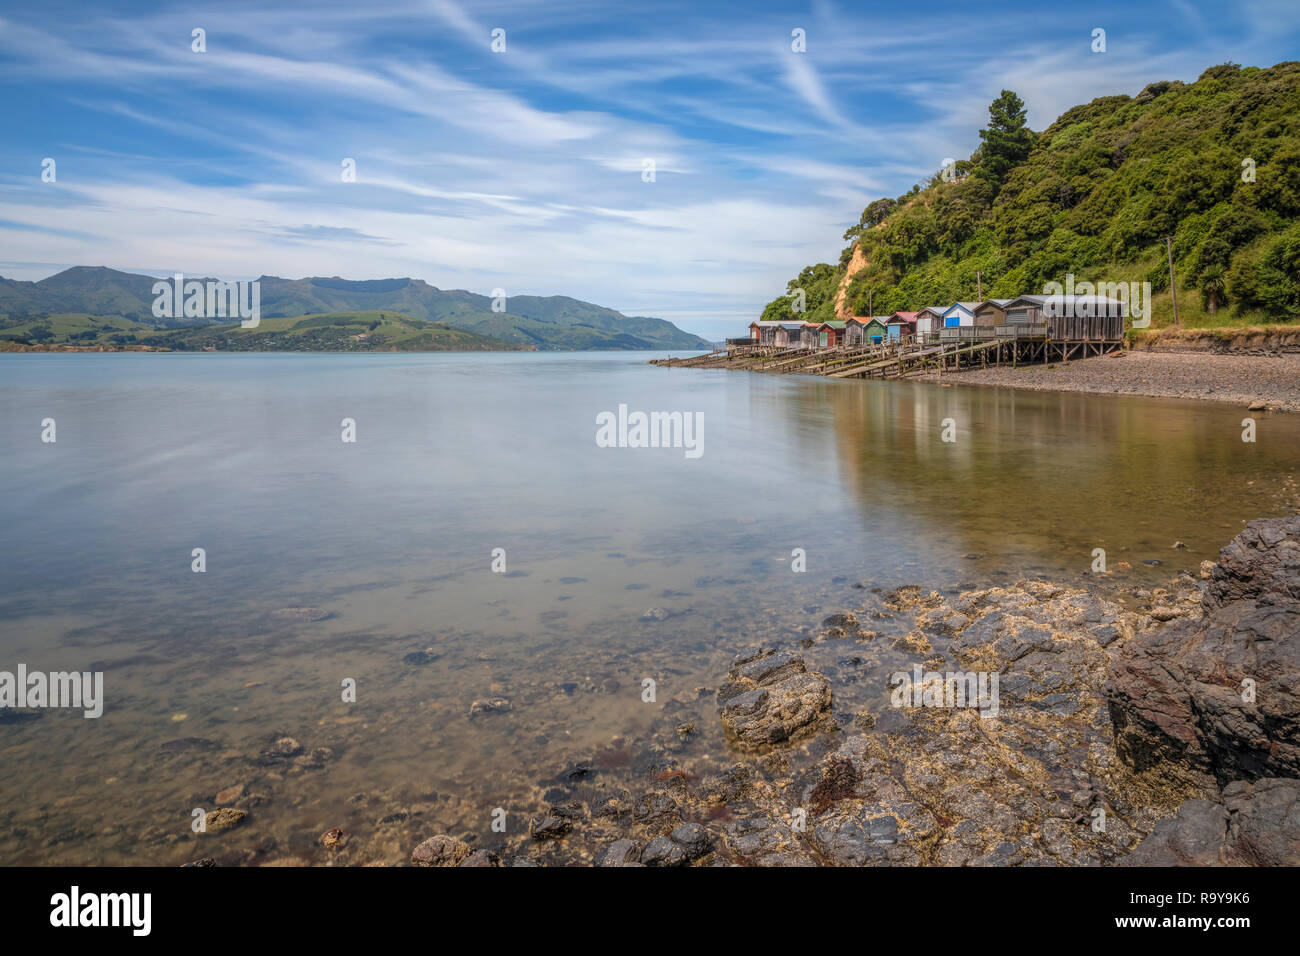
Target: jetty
{"type": "Point", "coordinates": [1034, 338]}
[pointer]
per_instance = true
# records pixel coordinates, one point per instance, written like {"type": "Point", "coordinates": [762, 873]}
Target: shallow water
{"type": "Point", "coordinates": [393, 536]}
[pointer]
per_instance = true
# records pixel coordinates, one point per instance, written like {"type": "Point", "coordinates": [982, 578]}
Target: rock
{"type": "Point", "coordinates": [685, 730]}
{"type": "Point", "coordinates": [555, 822]}
{"type": "Point", "coordinates": [1193, 838]}
{"type": "Point", "coordinates": [856, 834]}
{"type": "Point", "coordinates": [661, 851]}
{"type": "Point", "coordinates": [300, 614]}
{"type": "Point", "coordinates": [205, 861]}
{"type": "Point", "coordinates": [1257, 406]}
{"type": "Point", "coordinates": [426, 656]}
{"type": "Point", "coordinates": [489, 705]}
{"type": "Point", "coordinates": [1263, 822]}
{"type": "Point", "coordinates": [655, 614]}
{"type": "Point", "coordinates": [314, 760]}
{"type": "Point", "coordinates": [231, 794]}
{"type": "Point", "coordinates": [1207, 569]}
{"type": "Point", "coordinates": [1262, 561]}
{"type": "Point", "coordinates": [1215, 698]}
{"type": "Point", "coordinates": [440, 851]}
{"type": "Point", "coordinates": [225, 818]}
{"type": "Point", "coordinates": [771, 698]}
{"type": "Point", "coordinates": [620, 853]}
{"type": "Point", "coordinates": [692, 838]}
{"type": "Point", "coordinates": [481, 858]}
{"type": "Point", "coordinates": [333, 839]}
{"type": "Point", "coordinates": [656, 809]}
{"type": "Point", "coordinates": [841, 625]}
{"type": "Point", "coordinates": [283, 748]}
{"type": "Point", "coordinates": [1179, 546]}
{"type": "Point", "coordinates": [686, 843]}
{"type": "Point", "coordinates": [765, 841]}
{"type": "Point", "coordinates": [1257, 825]}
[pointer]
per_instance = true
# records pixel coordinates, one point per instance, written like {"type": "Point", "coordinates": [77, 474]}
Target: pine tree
{"type": "Point", "coordinates": [1007, 140]}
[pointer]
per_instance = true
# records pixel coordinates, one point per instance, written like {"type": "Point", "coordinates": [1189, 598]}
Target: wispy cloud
{"type": "Point", "coordinates": [524, 169]}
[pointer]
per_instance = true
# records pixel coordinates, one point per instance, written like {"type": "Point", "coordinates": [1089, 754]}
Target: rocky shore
{"type": "Point", "coordinates": [1167, 733]}
{"type": "Point", "coordinates": [1259, 381]}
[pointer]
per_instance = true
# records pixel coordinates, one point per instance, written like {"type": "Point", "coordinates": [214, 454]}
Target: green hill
{"type": "Point", "coordinates": [335, 332]}
{"type": "Point", "coordinates": [543, 322]}
{"type": "Point", "coordinates": [1215, 164]}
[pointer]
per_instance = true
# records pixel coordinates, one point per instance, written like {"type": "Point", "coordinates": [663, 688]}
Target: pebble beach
{"type": "Point", "coordinates": [1273, 380]}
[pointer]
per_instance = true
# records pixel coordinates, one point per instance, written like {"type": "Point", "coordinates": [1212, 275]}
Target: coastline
{"type": "Point", "coordinates": [1268, 381]}
{"type": "Point", "coordinates": [1097, 752]}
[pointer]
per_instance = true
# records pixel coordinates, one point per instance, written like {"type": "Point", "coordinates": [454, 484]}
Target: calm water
{"type": "Point", "coordinates": [392, 535]}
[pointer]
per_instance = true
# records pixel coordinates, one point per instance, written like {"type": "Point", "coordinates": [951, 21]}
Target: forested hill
{"type": "Point", "coordinates": [1215, 164]}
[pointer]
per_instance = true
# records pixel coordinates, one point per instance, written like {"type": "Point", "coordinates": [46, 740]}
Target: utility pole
{"type": "Point", "coordinates": [1173, 295]}
{"type": "Point", "coordinates": [979, 286]}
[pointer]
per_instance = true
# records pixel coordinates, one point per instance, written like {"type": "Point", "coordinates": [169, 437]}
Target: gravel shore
{"type": "Point", "coordinates": [1239, 379]}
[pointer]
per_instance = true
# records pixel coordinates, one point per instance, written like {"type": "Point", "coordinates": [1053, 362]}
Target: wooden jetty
{"type": "Point", "coordinates": [1058, 339]}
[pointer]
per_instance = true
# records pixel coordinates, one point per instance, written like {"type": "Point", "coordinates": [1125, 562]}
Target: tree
{"type": "Point", "coordinates": [1006, 141]}
{"type": "Point", "coordinates": [1213, 288]}
{"type": "Point", "coordinates": [872, 216]}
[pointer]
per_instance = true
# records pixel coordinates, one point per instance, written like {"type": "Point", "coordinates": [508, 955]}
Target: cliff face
{"type": "Point", "coordinates": [857, 263]}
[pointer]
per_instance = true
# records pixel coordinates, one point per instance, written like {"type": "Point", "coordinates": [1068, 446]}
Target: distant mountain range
{"type": "Point", "coordinates": [542, 322]}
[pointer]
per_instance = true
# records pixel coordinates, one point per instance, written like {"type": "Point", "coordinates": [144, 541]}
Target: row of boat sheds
{"type": "Point", "coordinates": [1066, 318]}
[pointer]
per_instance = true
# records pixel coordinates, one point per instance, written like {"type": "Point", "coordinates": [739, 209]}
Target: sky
{"type": "Point", "coordinates": [525, 168]}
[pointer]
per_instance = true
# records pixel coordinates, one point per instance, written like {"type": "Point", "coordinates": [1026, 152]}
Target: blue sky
{"type": "Point", "coordinates": [522, 170]}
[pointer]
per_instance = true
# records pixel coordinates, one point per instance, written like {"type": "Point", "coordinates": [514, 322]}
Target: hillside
{"type": "Point", "coordinates": [542, 322]}
{"type": "Point", "coordinates": [1095, 194]}
{"type": "Point", "coordinates": [335, 332]}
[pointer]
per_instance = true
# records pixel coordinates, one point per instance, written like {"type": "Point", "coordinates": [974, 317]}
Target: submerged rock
{"type": "Point", "coordinates": [281, 749]}
{"type": "Point", "coordinates": [489, 705]}
{"type": "Point", "coordinates": [231, 794]}
{"type": "Point", "coordinates": [300, 614]}
{"type": "Point", "coordinates": [226, 818]}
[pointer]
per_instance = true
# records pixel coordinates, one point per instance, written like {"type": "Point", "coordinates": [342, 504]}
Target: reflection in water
{"type": "Point", "coordinates": [623, 564]}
